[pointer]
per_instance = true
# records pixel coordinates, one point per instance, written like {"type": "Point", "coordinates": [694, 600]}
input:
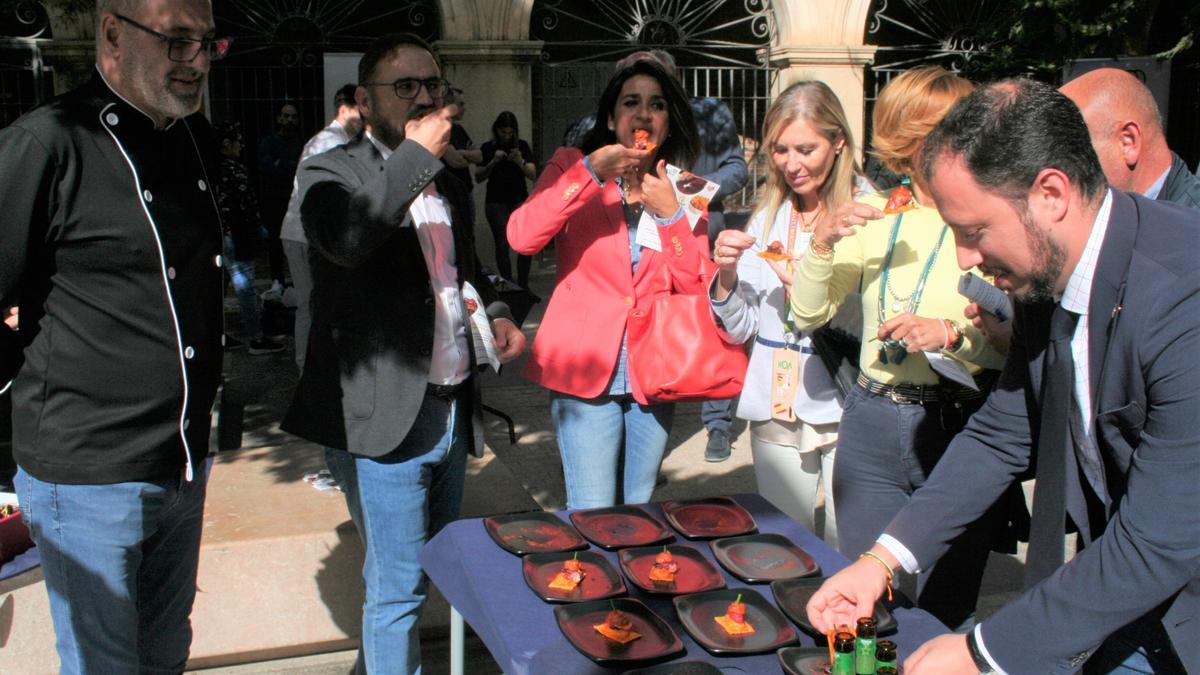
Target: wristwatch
{"type": "Point", "coordinates": [981, 662]}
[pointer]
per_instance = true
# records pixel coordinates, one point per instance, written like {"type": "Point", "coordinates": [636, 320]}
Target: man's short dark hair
{"type": "Point", "coordinates": [384, 45]}
{"type": "Point", "coordinates": [344, 95]}
{"type": "Point", "coordinates": [1009, 131]}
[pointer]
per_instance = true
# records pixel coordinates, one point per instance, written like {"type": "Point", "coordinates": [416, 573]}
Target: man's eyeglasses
{"type": "Point", "coordinates": [185, 50]}
{"type": "Point", "coordinates": [410, 87]}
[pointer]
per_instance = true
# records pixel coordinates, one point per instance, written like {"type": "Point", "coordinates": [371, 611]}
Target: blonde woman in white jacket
{"type": "Point", "coordinates": [789, 397]}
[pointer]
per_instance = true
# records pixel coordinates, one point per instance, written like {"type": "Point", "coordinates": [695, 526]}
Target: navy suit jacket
{"type": "Point", "coordinates": [1142, 554]}
{"type": "Point", "coordinates": [370, 346]}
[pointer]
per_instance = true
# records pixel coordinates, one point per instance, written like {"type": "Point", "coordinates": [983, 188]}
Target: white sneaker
{"type": "Point", "coordinates": [275, 292]}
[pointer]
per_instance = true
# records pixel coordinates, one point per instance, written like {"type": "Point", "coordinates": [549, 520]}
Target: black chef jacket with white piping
{"type": "Point", "coordinates": [110, 246]}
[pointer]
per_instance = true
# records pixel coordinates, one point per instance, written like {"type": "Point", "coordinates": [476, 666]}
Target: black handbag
{"type": "Point", "coordinates": [839, 352]}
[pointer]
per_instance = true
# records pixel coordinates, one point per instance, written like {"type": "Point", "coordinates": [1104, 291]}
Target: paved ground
{"type": "Point", "coordinates": [260, 386]}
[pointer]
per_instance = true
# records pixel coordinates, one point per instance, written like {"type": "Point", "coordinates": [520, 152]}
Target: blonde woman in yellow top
{"type": "Point", "coordinates": [899, 419]}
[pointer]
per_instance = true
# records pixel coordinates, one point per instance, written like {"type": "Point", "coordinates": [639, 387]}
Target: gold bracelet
{"type": "Point", "coordinates": [887, 568]}
{"type": "Point", "coordinates": [820, 250]}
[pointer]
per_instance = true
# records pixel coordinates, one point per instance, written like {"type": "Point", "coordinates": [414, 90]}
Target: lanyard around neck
{"type": "Point", "coordinates": [914, 301]}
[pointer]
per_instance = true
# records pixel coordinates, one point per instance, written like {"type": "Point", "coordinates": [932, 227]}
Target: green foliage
{"type": "Point", "coordinates": [1038, 36]}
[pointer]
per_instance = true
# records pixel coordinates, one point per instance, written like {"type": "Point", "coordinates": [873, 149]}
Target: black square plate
{"type": "Point", "coordinates": [677, 668]}
{"type": "Point", "coordinates": [657, 640]}
{"type": "Point", "coordinates": [762, 558]}
{"type": "Point", "coordinates": [805, 660]}
{"type": "Point", "coordinates": [600, 580]}
{"type": "Point", "coordinates": [695, 573]}
{"type": "Point", "coordinates": [620, 527]}
{"type": "Point", "coordinates": [709, 518]}
{"type": "Point", "coordinates": [533, 532]}
{"type": "Point", "coordinates": [792, 597]}
{"type": "Point", "coordinates": [697, 613]}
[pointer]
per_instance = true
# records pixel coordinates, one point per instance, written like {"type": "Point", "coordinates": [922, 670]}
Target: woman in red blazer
{"type": "Point", "coordinates": [590, 200]}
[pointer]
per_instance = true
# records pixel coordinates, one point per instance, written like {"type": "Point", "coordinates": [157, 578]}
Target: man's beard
{"type": "Point", "coordinates": [1048, 259]}
{"type": "Point", "coordinates": [162, 98]}
{"type": "Point", "coordinates": [389, 134]}
{"type": "Point", "coordinates": [385, 132]}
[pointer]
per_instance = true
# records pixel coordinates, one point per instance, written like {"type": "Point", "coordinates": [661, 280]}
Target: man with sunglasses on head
{"type": "Point", "coordinates": [110, 246]}
{"type": "Point", "coordinates": [387, 387]}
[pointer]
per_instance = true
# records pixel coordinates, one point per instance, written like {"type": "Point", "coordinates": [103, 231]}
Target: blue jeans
{"type": "Point", "coordinates": [717, 415]}
{"type": "Point", "coordinates": [603, 438]}
{"type": "Point", "coordinates": [1140, 647]}
{"type": "Point", "coordinates": [120, 566]}
{"type": "Point", "coordinates": [397, 502]}
{"type": "Point", "coordinates": [885, 452]}
{"type": "Point", "coordinates": [241, 274]}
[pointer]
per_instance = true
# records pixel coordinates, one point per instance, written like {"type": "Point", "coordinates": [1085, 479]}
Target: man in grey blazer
{"type": "Point", "coordinates": [387, 386]}
{"type": "Point", "coordinates": [1108, 316]}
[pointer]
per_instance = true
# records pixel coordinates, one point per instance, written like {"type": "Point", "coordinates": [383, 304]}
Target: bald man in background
{"type": "Point", "coordinates": [1127, 133]}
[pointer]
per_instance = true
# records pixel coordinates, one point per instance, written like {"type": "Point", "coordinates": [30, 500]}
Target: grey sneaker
{"type": "Point", "coordinates": [265, 345]}
{"type": "Point", "coordinates": [718, 448]}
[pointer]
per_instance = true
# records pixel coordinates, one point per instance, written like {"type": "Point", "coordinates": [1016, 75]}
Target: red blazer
{"type": "Point", "coordinates": [579, 340]}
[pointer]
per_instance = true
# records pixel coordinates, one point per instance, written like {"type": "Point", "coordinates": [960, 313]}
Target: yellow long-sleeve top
{"type": "Point", "coordinates": [822, 284]}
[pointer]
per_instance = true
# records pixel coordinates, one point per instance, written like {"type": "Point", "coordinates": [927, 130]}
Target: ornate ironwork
{"type": "Point", "coordinates": [701, 32]}
{"type": "Point", "coordinates": [296, 27]}
{"type": "Point", "coordinates": [949, 32]}
{"type": "Point", "coordinates": [24, 19]}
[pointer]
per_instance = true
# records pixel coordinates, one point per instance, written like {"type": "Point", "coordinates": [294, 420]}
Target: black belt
{"type": "Point", "coordinates": [918, 393]}
{"type": "Point", "coordinates": [445, 391]}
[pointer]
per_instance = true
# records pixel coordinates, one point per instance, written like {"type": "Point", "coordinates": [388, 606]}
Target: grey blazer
{"type": "Point", "coordinates": [1142, 554]}
{"type": "Point", "coordinates": [370, 346]}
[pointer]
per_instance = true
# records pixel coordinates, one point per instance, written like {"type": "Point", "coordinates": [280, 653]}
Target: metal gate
{"type": "Point", "coordinates": [25, 82]}
{"type": "Point", "coordinates": [911, 33]}
{"type": "Point", "coordinates": [278, 53]}
{"type": "Point", "coordinates": [722, 49]}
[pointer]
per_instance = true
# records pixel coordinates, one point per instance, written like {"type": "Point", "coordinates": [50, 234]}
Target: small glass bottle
{"type": "Point", "coordinates": [843, 654]}
{"type": "Point", "coordinates": [886, 670]}
{"type": "Point", "coordinates": [864, 647]}
{"type": "Point", "coordinates": [885, 655]}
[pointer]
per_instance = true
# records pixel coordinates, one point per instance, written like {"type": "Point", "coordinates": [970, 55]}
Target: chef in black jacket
{"type": "Point", "coordinates": [110, 246]}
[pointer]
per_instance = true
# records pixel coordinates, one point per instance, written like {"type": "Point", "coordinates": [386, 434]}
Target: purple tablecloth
{"type": "Point", "coordinates": [484, 583]}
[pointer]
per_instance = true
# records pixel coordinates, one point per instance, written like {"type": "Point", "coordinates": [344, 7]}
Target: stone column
{"type": "Point", "coordinates": [494, 75]}
{"type": "Point", "coordinates": [72, 52]}
{"type": "Point", "coordinates": [843, 68]}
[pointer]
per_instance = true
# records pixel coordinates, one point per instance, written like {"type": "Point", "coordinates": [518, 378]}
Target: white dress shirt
{"type": "Point", "coordinates": [429, 215]}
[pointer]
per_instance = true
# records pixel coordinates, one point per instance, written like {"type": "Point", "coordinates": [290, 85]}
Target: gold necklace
{"type": "Point", "coordinates": [808, 225]}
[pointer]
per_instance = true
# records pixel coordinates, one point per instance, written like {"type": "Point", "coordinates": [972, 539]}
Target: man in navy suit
{"type": "Point", "coordinates": [1099, 398]}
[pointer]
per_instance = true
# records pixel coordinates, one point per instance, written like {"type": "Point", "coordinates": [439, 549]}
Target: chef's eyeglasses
{"type": "Point", "coordinates": [410, 87]}
{"type": "Point", "coordinates": [185, 50]}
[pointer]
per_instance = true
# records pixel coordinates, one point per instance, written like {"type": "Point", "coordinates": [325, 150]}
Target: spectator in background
{"type": "Point", "coordinates": [509, 164]}
{"type": "Point", "coordinates": [278, 157]}
{"type": "Point", "coordinates": [1127, 134]}
{"type": "Point", "coordinates": [462, 153]}
{"type": "Point", "coordinates": [110, 244]}
{"type": "Point", "coordinates": [242, 229]}
{"type": "Point", "coordinates": [345, 125]}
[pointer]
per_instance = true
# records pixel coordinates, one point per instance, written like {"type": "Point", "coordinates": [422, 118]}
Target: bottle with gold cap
{"type": "Point", "coordinates": [864, 647]}
{"type": "Point", "coordinates": [843, 654]}
{"type": "Point", "coordinates": [885, 655]}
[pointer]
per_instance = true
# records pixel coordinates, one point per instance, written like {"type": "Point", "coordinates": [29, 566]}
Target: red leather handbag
{"type": "Point", "coordinates": [676, 353]}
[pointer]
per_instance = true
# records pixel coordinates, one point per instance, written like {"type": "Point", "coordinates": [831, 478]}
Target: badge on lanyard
{"type": "Point", "coordinates": [785, 377]}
